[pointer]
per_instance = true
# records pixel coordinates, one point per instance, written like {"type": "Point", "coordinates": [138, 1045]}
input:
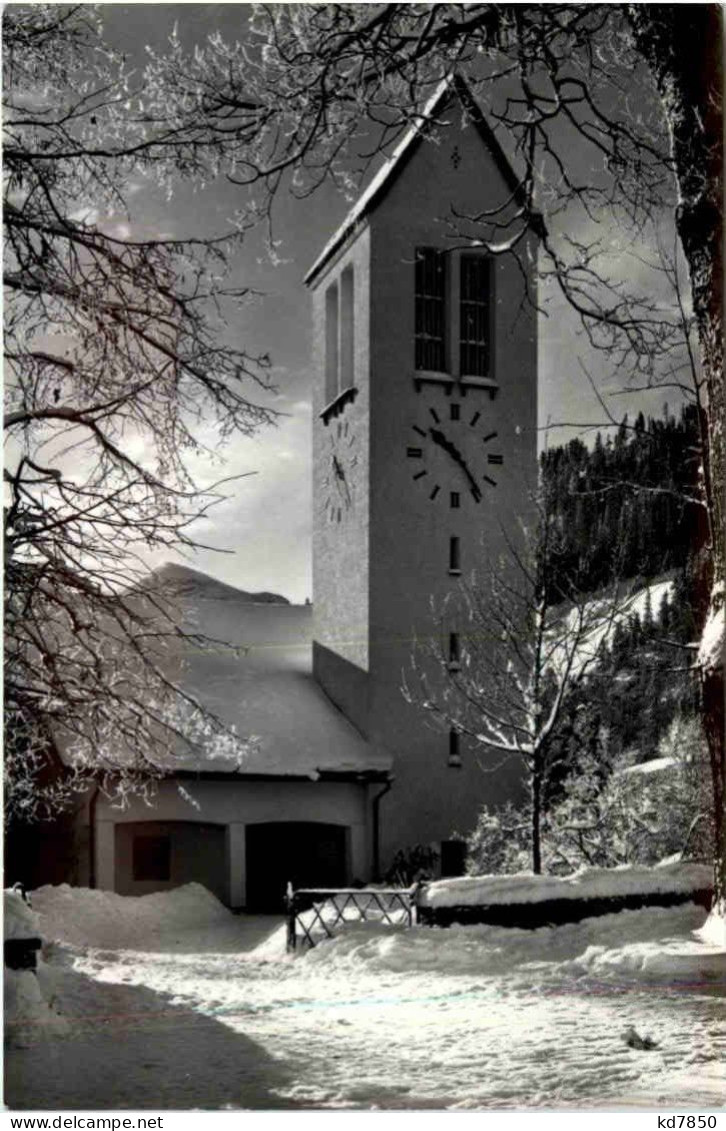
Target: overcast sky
{"type": "Point", "coordinates": [265, 526]}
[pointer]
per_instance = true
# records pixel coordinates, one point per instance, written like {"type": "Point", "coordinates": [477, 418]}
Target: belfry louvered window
{"type": "Point", "coordinates": [331, 343]}
{"type": "Point", "coordinates": [430, 328]}
{"type": "Point", "coordinates": [474, 315]}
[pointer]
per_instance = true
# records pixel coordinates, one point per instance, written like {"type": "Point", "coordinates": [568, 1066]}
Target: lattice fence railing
{"type": "Point", "coordinates": [315, 913]}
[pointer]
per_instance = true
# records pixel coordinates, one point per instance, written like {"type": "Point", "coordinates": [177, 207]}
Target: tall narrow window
{"type": "Point", "coordinates": [346, 329]}
{"type": "Point", "coordinates": [430, 324]}
{"type": "Point", "coordinates": [454, 556]}
{"type": "Point", "coordinates": [454, 650]}
{"type": "Point", "coordinates": [331, 343]}
{"type": "Point", "coordinates": [454, 751]}
{"type": "Point", "coordinates": [474, 315]}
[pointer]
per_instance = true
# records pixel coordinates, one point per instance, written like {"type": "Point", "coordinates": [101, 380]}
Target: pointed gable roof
{"type": "Point", "coordinates": [389, 171]}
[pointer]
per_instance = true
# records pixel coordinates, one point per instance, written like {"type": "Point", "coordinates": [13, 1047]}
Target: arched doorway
{"type": "Point", "coordinates": [304, 853]}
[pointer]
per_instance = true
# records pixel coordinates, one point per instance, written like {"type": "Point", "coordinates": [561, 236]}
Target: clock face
{"type": "Point", "coordinates": [340, 478]}
{"type": "Point", "coordinates": [453, 453]}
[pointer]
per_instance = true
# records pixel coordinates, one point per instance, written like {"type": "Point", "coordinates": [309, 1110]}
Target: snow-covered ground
{"type": "Point", "coordinates": [172, 1002]}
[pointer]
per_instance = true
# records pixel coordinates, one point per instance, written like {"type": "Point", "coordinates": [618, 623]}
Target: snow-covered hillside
{"type": "Point", "coordinates": [603, 613]}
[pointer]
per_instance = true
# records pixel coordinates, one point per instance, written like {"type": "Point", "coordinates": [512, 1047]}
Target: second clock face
{"type": "Point", "coordinates": [340, 474]}
{"type": "Point", "coordinates": [453, 454]}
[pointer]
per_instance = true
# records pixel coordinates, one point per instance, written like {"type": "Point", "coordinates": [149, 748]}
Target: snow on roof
{"type": "Point", "coordinates": [267, 690]}
{"type": "Point", "coordinates": [258, 680]}
{"type": "Point", "coordinates": [386, 173]}
{"type": "Point", "coordinates": [587, 883]}
{"type": "Point", "coordinates": [366, 198]}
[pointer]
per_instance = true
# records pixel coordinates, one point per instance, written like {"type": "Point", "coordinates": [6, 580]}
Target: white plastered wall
{"type": "Point", "coordinates": [235, 805]}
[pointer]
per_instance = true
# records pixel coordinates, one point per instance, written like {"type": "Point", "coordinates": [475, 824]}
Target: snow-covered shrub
{"type": "Point", "coordinates": [639, 814]}
{"type": "Point", "coordinates": [417, 862]}
{"type": "Point", "coordinates": [501, 841]}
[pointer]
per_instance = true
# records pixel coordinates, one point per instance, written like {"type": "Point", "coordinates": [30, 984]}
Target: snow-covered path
{"type": "Point", "coordinates": [475, 1017]}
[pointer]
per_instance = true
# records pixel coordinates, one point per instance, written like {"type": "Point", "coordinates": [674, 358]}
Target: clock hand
{"type": "Point", "coordinates": [340, 476]}
{"type": "Point", "coordinates": [439, 438]}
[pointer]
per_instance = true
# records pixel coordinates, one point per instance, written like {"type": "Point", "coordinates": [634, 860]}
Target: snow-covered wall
{"type": "Point", "coordinates": [534, 901]}
{"type": "Point", "coordinates": [587, 883]}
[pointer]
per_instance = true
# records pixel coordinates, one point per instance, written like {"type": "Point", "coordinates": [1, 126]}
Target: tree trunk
{"type": "Point", "coordinates": [682, 45]}
{"type": "Point", "coordinates": [537, 823]}
{"type": "Point", "coordinates": [712, 691]}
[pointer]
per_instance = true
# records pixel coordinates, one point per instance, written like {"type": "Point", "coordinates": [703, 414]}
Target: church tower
{"type": "Point", "coordinates": [424, 445]}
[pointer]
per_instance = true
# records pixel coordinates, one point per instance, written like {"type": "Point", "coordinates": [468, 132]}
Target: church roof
{"type": "Point", "coordinates": [267, 692]}
{"type": "Point", "coordinates": [257, 679]}
{"type": "Point", "coordinates": [386, 175]}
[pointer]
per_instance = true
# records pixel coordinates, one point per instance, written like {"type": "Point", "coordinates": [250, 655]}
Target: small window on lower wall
{"type": "Point", "coordinates": [454, 752]}
{"type": "Point", "coordinates": [152, 858]}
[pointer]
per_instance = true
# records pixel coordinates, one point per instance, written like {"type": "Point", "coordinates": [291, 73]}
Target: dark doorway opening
{"type": "Point", "coordinates": [453, 858]}
{"type": "Point", "coordinates": [304, 853]}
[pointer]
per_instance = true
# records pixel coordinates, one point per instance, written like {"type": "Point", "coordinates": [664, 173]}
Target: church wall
{"type": "Point", "coordinates": [345, 684]}
{"type": "Point", "coordinates": [341, 519]}
{"type": "Point", "coordinates": [410, 533]}
{"type": "Point", "coordinates": [197, 855]}
{"type": "Point", "coordinates": [235, 805]}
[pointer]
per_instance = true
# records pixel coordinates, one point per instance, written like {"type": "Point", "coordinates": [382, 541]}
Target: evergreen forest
{"type": "Point", "coordinates": [624, 508]}
{"type": "Point", "coordinates": [623, 512]}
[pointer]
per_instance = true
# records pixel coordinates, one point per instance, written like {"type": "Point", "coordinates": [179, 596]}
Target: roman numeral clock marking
{"type": "Point", "coordinates": [445, 445]}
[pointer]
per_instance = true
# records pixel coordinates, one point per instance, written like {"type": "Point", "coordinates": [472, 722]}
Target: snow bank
{"type": "Point", "coordinates": [29, 1016]}
{"type": "Point", "coordinates": [587, 883]}
{"type": "Point", "coordinates": [652, 944]}
{"type": "Point", "coordinates": [27, 1000]}
{"type": "Point", "coordinates": [20, 921]}
{"type": "Point", "coordinates": [89, 917]}
{"type": "Point", "coordinates": [713, 931]}
{"type": "Point", "coordinates": [340, 912]}
{"type": "Point", "coordinates": [671, 963]}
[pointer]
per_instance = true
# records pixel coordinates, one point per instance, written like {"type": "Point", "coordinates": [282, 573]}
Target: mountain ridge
{"type": "Point", "coordinates": [185, 581]}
